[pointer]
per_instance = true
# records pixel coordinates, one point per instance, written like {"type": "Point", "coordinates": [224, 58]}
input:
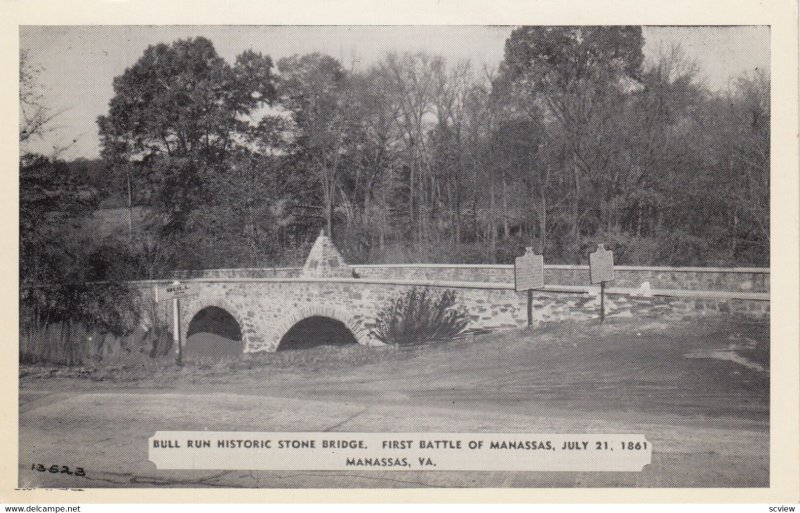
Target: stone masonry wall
{"type": "Point", "coordinates": [672, 278]}
{"type": "Point", "coordinates": [267, 309]}
{"type": "Point", "coordinates": [688, 278]}
{"type": "Point", "coordinates": [256, 272]}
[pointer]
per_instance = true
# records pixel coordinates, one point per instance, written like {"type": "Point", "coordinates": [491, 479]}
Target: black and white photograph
{"type": "Point", "coordinates": [394, 256]}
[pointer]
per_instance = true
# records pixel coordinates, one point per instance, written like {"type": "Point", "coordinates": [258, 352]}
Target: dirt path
{"type": "Point", "coordinates": [707, 418]}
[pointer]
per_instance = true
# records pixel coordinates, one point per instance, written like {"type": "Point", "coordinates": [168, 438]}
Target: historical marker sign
{"type": "Point", "coordinates": [601, 265]}
{"type": "Point", "coordinates": [177, 290]}
{"type": "Point", "coordinates": [529, 271]}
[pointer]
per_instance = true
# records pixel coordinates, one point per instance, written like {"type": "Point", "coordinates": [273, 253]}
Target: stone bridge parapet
{"type": "Point", "coordinates": [266, 308]}
{"type": "Point", "coordinates": [730, 279]}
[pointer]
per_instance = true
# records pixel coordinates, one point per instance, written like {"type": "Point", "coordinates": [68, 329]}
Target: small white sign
{"type": "Point", "coordinates": [529, 271]}
{"type": "Point", "coordinates": [177, 290]}
{"type": "Point", "coordinates": [601, 265]}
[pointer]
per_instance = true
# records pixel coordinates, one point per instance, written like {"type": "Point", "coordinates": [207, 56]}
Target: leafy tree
{"type": "Point", "coordinates": [52, 193]}
{"type": "Point", "coordinates": [49, 204]}
{"type": "Point", "coordinates": [238, 225]}
{"type": "Point", "coordinates": [314, 88]}
{"type": "Point", "coordinates": [750, 149]}
{"type": "Point", "coordinates": [412, 86]}
{"type": "Point", "coordinates": [179, 110]}
{"type": "Point", "coordinates": [368, 161]}
{"type": "Point", "coordinates": [579, 78]}
{"type": "Point", "coordinates": [573, 140]}
{"type": "Point", "coordinates": [737, 129]}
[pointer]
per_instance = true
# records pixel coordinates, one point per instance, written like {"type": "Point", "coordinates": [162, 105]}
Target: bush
{"type": "Point", "coordinates": [71, 323]}
{"type": "Point", "coordinates": [420, 316]}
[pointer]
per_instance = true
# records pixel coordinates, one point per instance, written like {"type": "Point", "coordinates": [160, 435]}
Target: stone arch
{"type": "Point", "coordinates": [361, 335]}
{"type": "Point", "coordinates": [190, 310]}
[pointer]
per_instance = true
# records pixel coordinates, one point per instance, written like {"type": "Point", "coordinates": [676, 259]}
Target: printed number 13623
{"type": "Point", "coordinates": [56, 469]}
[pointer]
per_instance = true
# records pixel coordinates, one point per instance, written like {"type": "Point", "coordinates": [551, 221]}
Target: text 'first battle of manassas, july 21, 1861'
{"type": "Point", "coordinates": [400, 451]}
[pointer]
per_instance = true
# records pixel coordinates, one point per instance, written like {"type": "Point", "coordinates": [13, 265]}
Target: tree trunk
{"type": "Point", "coordinates": [576, 233]}
{"type": "Point", "coordinates": [458, 213]}
{"type": "Point", "coordinates": [130, 204]}
{"type": "Point", "coordinates": [542, 222]}
{"type": "Point", "coordinates": [506, 230]}
{"type": "Point", "coordinates": [475, 205]}
{"type": "Point", "coordinates": [531, 224]}
{"type": "Point", "coordinates": [329, 208]}
{"type": "Point", "coordinates": [492, 224]}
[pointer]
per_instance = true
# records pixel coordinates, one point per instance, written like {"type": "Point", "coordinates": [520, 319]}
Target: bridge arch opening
{"type": "Point", "coordinates": [317, 331]}
{"type": "Point", "coordinates": [213, 334]}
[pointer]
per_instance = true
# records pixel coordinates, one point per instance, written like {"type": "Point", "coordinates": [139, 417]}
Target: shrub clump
{"type": "Point", "coordinates": [69, 324]}
{"type": "Point", "coordinates": [420, 316]}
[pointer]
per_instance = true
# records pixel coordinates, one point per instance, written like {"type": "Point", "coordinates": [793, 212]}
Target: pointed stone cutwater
{"type": "Point", "coordinates": [325, 261]}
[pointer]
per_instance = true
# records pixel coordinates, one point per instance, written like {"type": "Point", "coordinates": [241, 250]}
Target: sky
{"type": "Point", "coordinates": [79, 63]}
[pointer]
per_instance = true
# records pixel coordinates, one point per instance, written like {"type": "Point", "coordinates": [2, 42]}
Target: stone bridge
{"type": "Point", "coordinates": [268, 303]}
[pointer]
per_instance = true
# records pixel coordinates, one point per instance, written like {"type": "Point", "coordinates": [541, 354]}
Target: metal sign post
{"type": "Point", "coordinates": [529, 276]}
{"type": "Point", "coordinates": [175, 292]}
{"type": "Point", "coordinates": [176, 334]}
{"type": "Point", "coordinates": [602, 302]}
{"type": "Point", "coordinates": [530, 307]}
{"type": "Point", "coordinates": [601, 270]}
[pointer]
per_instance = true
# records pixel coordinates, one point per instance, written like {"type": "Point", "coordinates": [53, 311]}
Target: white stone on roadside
{"type": "Point", "coordinates": [623, 314]}
{"type": "Point", "coordinates": [644, 290]}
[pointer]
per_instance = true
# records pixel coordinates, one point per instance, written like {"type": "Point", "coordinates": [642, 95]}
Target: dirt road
{"type": "Point", "coordinates": [698, 392]}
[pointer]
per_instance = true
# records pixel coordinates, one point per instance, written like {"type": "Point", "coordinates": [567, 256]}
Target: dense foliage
{"type": "Point", "coordinates": [576, 138]}
{"type": "Point", "coordinates": [420, 316]}
{"type": "Point", "coordinates": [61, 313]}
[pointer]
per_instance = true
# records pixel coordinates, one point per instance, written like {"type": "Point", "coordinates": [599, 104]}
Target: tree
{"type": "Point", "coordinates": [522, 156]}
{"type": "Point", "coordinates": [660, 180]}
{"type": "Point", "coordinates": [450, 101]}
{"type": "Point", "coordinates": [736, 126]}
{"type": "Point", "coordinates": [50, 196]}
{"type": "Point", "coordinates": [35, 116]}
{"type": "Point", "coordinates": [579, 77]}
{"type": "Point", "coordinates": [370, 158]}
{"type": "Point", "coordinates": [237, 226]}
{"type": "Point", "coordinates": [573, 138]}
{"type": "Point", "coordinates": [750, 149]}
{"type": "Point", "coordinates": [412, 86]}
{"type": "Point", "coordinates": [179, 110]}
{"type": "Point", "coordinates": [314, 88]}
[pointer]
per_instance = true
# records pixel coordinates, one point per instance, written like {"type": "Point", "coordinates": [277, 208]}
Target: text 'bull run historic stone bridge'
{"type": "Point", "coordinates": [269, 304]}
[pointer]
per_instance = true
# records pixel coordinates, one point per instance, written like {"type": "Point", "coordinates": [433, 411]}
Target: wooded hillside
{"type": "Point", "coordinates": [575, 139]}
